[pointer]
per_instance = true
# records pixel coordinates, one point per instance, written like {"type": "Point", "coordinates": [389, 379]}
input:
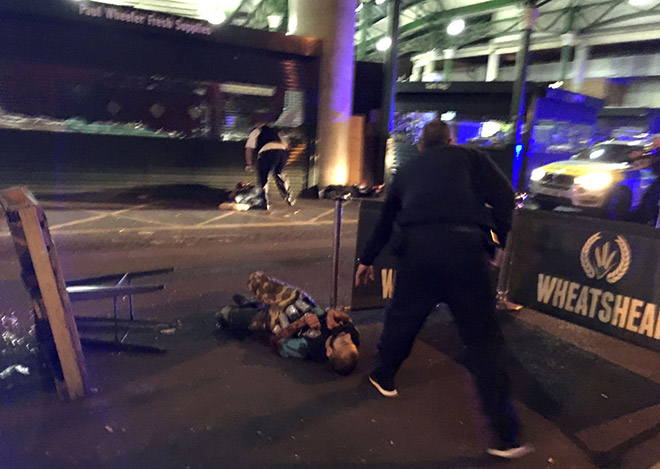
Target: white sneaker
{"type": "Point", "coordinates": [511, 453]}
{"type": "Point", "coordinates": [386, 388]}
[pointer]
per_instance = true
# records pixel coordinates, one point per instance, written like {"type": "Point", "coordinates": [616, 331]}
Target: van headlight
{"type": "Point", "coordinates": [537, 174]}
{"type": "Point", "coordinates": [594, 181]}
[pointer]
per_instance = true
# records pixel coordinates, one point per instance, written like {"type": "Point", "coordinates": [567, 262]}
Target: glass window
{"type": "Point", "coordinates": [610, 153]}
{"type": "Point", "coordinates": [58, 98]}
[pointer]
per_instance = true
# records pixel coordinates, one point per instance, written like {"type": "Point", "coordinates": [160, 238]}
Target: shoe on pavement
{"type": "Point", "coordinates": [510, 452]}
{"type": "Point", "coordinates": [385, 386]}
{"type": "Point", "coordinates": [290, 202]}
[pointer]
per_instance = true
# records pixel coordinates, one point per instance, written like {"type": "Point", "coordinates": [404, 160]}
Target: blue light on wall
{"type": "Point", "coordinates": [517, 163]}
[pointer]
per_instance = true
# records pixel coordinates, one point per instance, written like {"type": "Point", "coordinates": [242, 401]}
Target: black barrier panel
{"type": "Point", "coordinates": [597, 273]}
{"type": "Point", "coordinates": [375, 294]}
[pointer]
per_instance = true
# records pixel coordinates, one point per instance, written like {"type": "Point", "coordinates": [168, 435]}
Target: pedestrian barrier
{"type": "Point", "coordinates": [600, 274]}
{"type": "Point", "coordinates": [43, 279]}
{"type": "Point", "coordinates": [55, 324]}
{"type": "Point", "coordinates": [374, 294]}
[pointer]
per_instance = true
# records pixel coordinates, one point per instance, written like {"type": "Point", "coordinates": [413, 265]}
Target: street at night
{"type": "Point", "coordinates": [586, 400]}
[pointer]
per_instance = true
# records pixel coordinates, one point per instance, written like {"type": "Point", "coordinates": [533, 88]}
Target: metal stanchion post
{"type": "Point", "coordinates": [505, 267]}
{"type": "Point", "coordinates": [339, 201]}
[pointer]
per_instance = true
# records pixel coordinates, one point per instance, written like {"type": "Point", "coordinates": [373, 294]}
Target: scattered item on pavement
{"type": "Point", "coordinates": [310, 193]}
{"type": "Point", "coordinates": [234, 206]}
{"type": "Point", "coordinates": [169, 331]}
{"type": "Point", "coordinates": [244, 197]}
{"type": "Point", "coordinates": [514, 452]}
{"type": "Point", "coordinates": [7, 372]}
{"type": "Point", "coordinates": [362, 190]}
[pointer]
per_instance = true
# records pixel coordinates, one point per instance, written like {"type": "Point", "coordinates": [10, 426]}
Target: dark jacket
{"type": "Point", "coordinates": [449, 185]}
{"type": "Point", "coordinates": [267, 135]}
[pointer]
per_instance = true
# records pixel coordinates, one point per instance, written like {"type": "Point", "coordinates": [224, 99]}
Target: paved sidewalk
{"type": "Point", "coordinates": [587, 400]}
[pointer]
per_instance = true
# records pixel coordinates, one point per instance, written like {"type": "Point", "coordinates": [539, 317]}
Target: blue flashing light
{"type": "Point", "coordinates": [517, 164]}
{"type": "Point", "coordinates": [519, 149]}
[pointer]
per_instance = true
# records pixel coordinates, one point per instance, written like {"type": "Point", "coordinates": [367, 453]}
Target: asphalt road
{"type": "Point", "coordinates": [213, 401]}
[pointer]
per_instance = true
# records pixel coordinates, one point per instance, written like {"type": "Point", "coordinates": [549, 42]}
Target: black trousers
{"type": "Point", "coordinates": [273, 161]}
{"type": "Point", "coordinates": [441, 264]}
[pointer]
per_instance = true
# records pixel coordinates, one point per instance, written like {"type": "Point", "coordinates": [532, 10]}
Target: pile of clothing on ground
{"type": "Point", "coordinates": [243, 197]}
{"type": "Point", "coordinates": [362, 190]}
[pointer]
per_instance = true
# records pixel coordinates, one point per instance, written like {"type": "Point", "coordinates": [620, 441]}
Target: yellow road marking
{"type": "Point", "coordinates": [194, 227]}
{"type": "Point", "coordinates": [326, 213]}
{"type": "Point", "coordinates": [220, 217]}
{"type": "Point", "coordinates": [128, 217]}
{"type": "Point", "coordinates": [94, 218]}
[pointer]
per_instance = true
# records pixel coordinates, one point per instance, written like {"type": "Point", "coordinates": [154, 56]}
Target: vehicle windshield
{"type": "Point", "coordinates": [609, 153]}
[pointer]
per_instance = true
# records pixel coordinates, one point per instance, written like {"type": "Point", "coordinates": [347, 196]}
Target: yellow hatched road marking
{"type": "Point", "coordinates": [220, 217]}
{"type": "Point", "coordinates": [94, 218]}
{"type": "Point", "coordinates": [197, 227]}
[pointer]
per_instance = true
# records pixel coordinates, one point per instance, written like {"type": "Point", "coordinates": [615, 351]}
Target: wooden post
{"type": "Point", "coordinates": [44, 281]}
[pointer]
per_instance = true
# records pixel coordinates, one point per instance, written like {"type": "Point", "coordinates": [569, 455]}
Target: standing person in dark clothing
{"type": "Point", "coordinates": [271, 152]}
{"type": "Point", "coordinates": [446, 202]}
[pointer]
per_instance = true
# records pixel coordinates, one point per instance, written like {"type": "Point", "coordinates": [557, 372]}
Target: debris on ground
{"type": "Point", "coordinates": [244, 197]}
{"type": "Point", "coordinates": [362, 190]}
{"type": "Point", "coordinates": [7, 372]}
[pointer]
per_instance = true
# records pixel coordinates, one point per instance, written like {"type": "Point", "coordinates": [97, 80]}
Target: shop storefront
{"type": "Point", "coordinates": [94, 95]}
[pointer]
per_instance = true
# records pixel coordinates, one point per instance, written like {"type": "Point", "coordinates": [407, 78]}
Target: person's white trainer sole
{"type": "Point", "coordinates": [511, 453]}
{"type": "Point", "coordinates": [384, 392]}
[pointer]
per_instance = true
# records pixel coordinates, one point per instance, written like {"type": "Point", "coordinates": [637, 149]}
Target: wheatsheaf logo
{"type": "Point", "coordinates": [605, 259]}
{"type": "Point", "coordinates": [620, 311]}
{"type": "Point", "coordinates": [388, 278]}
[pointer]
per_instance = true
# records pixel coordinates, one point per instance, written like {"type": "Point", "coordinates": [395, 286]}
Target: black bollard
{"type": "Point", "coordinates": [339, 201]}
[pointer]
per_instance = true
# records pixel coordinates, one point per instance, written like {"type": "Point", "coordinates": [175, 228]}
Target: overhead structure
{"type": "Point", "coordinates": [476, 27]}
{"type": "Point", "coordinates": [491, 23]}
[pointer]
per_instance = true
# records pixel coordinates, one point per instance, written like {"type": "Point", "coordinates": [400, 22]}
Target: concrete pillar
{"type": "Point", "coordinates": [567, 43]}
{"type": "Point", "coordinates": [493, 67]}
{"type": "Point", "coordinates": [332, 21]}
{"type": "Point", "coordinates": [448, 63]}
{"type": "Point", "coordinates": [417, 73]}
{"type": "Point", "coordinates": [429, 68]}
{"type": "Point", "coordinates": [579, 67]}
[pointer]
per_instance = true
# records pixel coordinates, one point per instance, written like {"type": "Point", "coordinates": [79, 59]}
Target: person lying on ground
{"type": "Point", "coordinates": [331, 336]}
{"type": "Point", "coordinates": [296, 326]}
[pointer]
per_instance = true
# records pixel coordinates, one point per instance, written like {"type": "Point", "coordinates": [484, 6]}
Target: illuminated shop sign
{"type": "Point", "coordinates": [149, 19]}
{"type": "Point", "coordinates": [242, 88]}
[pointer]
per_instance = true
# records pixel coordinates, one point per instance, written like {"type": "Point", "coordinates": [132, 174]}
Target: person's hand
{"type": "Point", "coordinates": [364, 275]}
{"type": "Point", "coordinates": [312, 321]}
{"type": "Point", "coordinates": [249, 168]}
{"type": "Point", "coordinates": [334, 318]}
